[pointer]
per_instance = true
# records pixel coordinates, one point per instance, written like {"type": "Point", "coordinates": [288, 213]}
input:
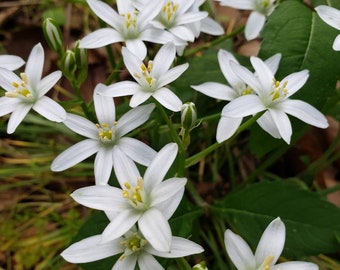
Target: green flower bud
{"type": "Point", "coordinates": [188, 116]}
{"type": "Point", "coordinates": [68, 64]}
{"type": "Point", "coordinates": [200, 266]}
{"type": "Point", "coordinates": [53, 35]}
{"type": "Point", "coordinates": [81, 62]}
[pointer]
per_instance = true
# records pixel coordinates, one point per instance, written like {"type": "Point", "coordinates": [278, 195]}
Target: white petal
{"type": "Point", "coordinates": [120, 225]}
{"type": "Point", "coordinates": [336, 43]}
{"type": "Point", "coordinates": [17, 116]}
{"type": "Point", "coordinates": [137, 47]}
{"type": "Point", "coordinates": [138, 98]}
{"type": "Point", "coordinates": [295, 266]}
{"type": "Point", "coordinates": [282, 123]}
{"type": "Point", "coordinates": [243, 106]}
{"type": "Point", "coordinates": [8, 77]}
{"type": "Point", "coordinates": [304, 112]}
{"type": "Point", "coordinates": [238, 4]}
{"type": "Point", "coordinates": [34, 65]}
{"type": "Point", "coordinates": [11, 62]}
{"type": "Point", "coordinates": [163, 59]}
{"type": "Point", "coordinates": [129, 262]}
{"type": "Point", "coordinates": [271, 242]}
{"type": "Point", "coordinates": [216, 90]}
{"type": "Point", "coordinates": [133, 119]}
{"type": "Point", "coordinates": [50, 109]}
{"type": "Point", "coordinates": [148, 262]}
{"type": "Point", "coordinates": [103, 166]}
{"type": "Point", "coordinates": [75, 154]}
{"type": "Point", "coordinates": [172, 74]}
{"type": "Point", "coordinates": [254, 25]}
{"type": "Point", "coordinates": [168, 99]}
{"type": "Point", "coordinates": [149, 12]}
{"type": "Point", "coordinates": [90, 249]}
{"type": "Point", "coordinates": [273, 62]}
{"type": "Point", "coordinates": [227, 127]}
{"type": "Point", "coordinates": [209, 26]}
{"type": "Point", "coordinates": [239, 251]}
{"type": "Point", "coordinates": [105, 198]}
{"type": "Point", "coordinates": [125, 7]}
{"type": "Point", "coordinates": [105, 12]}
{"type": "Point", "coordinates": [8, 105]}
{"type": "Point", "coordinates": [166, 189]}
{"type": "Point", "coordinates": [48, 82]}
{"type": "Point", "coordinates": [169, 206]}
{"type": "Point", "coordinates": [266, 122]}
{"type": "Point", "coordinates": [180, 247]}
{"type": "Point", "coordinates": [191, 17]}
{"type": "Point", "coordinates": [104, 106]}
{"type": "Point", "coordinates": [160, 165]}
{"type": "Point", "coordinates": [224, 58]}
{"type": "Point", "coordinates": [132, 62]}
{"type": "Point", "coordinates": [295, 81]}
{"type": "Point", "coordinates": [246, 76]}
{"type": "Point", "coordinates": [264, 74]}
{"type": "Point", "coordinates": [137, 150]}
{"type": "Point", "coordinates": [100, 38]}
{"type": "Point", "coordinates": [183, 33]}
{"type": "Point", "coordinates": [330, 15]}
{"type": "Point", "coordinates": [159, 36]}
{"type": "Point", "coordinates": [125, 168]}
{"type": "Point", "coordinates": [120, 89]}
{"type": "Point", "coordinates": [81, 126]}
{"type": "Point", "coordinates": [156, 229]}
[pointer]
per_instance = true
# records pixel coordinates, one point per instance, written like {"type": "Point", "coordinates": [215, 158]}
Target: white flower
{"type": "Point", "coordinates": [148, 200]}
{"type": "Point", "coordinates": [267, 252]}
{"type": "Point", "coordinates": [28, 92]}
{"type": "Point", "coordinates": [260, 10]}
{"type": "Point", "coordinates": [11, 62]}
{"type": "Point", "coordinates": [227, 126]}
{"type": "Point", "coordinates": [129, 25]}
{"type": "Point", "coordinates": [274, 97]}
{"type": "Point", "coordinates": [135, 248]}
{"type": "Point", "coordinates": [331, 16]}
{"type": "Point", "coordinates": [151, 79]}
{"type": "Point", "coordinates": [176, 17]}
{"type": "Point", "coordinates": [105, 138]}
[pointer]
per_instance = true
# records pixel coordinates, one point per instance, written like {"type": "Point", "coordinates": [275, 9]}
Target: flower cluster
{"type": "Point", "coordinates": [145, 198]}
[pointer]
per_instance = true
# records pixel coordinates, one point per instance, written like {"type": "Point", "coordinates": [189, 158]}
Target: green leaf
{"type": "Point", "coordinates": [332, 3]}
{"type": "Point", "coordinates": [305, 42]}
{"type": "Point", "coordinates": [311, 222]}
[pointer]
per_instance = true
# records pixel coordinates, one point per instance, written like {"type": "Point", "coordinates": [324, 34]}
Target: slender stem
{"type": "Point", "coordinates": [195, 194]}
{"type": "Point", "coordinates": [183, 264]}
{"type": "Point", "coordinates": [329, 190]}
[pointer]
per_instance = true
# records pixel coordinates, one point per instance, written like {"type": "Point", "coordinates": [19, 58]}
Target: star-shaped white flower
{"type": "Point", "coordinates": [267, 252]}
{"type": "Point", "coordinates": [128, 25]}
{"type": "Point", "coordinates": [227, 126]}
{"type": "Point", "coordinates": [148, 200]}
{"type": "Point", "coordinates": [28, 91]}
{"type": "Point", "coordinates": [261, 9]}
{"type": "Point", "coordinates": [106, 138]}
{"type": "Point", "coordinates": [151, 78]}
{"type": "Point", "coordinates": [331, 16]}
{"type": "Point", "coordinates": [134, 247]}
{"type": "Point", "coordinates": [273, 97]}
{"type": "Point", "coordinates": [11, 62]}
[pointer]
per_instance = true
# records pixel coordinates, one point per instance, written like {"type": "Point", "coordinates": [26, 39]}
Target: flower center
{"type": "Point", "coordinates": [168, 14]}
{"type": "Point", "coordinates": [243, 89]}
{"type": "Point", "coordinates": [106, 133]}
{"type": "Point", "coordinates": [264, 6]}
{"type": "Point", "coordinates": [21, 89]}
{"type": "Point", "coordinates": [267, 263]}
{"type": "Point", "coordinates": [135, 195]}
{"type": "Point", "coordinates": [132, 244]}
{"type": "Point", "coordinates": [279, 90]}
{"type": "Point", "coordinates": [130, 23]}
{"type": "Point", "coordinates": [146, 76]}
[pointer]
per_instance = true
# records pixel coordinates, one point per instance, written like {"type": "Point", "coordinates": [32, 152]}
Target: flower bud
{"type": "Point", "coordinates": [81, 62]}
{"type": "Point", "coordinates": [53, 35]}
{"type": "Point", "coordinates": [200, 266]}
{"type": "Point", "coordinates": [68, 63]}
{"type": "Point", "coordinates": [188, 115]}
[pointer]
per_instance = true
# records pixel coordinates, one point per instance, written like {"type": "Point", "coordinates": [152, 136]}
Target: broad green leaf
{"type": "Point", "coordinates": [305, 42]}
{"type": "Point", "coordinates": [311, 222]}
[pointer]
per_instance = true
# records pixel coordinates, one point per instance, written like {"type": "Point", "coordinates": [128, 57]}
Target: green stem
{"type": "Point", "coordinates": [197, 157]}
{"type": "Point", "coordinates": [183, 264]}
{"type": "Point", "coordinates": [329, 190]}
{"type": "Point", "coordinates": [195, 195]}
